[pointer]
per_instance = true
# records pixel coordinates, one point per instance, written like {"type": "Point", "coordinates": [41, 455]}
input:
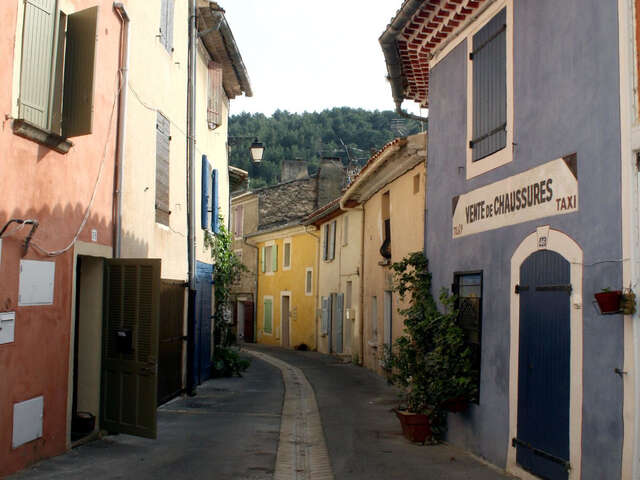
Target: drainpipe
{"type": "Point", "coordinates": [122, 124]}
{"type": "Point", "coordinates": [191, 197]}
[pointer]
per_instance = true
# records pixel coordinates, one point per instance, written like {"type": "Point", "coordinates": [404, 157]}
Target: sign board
{"type": "Point", "coordinates": [547, 190]}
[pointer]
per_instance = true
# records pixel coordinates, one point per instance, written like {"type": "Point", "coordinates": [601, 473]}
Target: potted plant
{"type": "Point", "coordinates": [628, 302]}
{"type": "Point", "coordinates": [431, 361]}
{"type": "Point", "coordinates": [608, 300]}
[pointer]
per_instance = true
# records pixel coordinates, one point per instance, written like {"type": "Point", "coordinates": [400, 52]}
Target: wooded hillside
{"type": "Point", "coordinates": [311, 136]}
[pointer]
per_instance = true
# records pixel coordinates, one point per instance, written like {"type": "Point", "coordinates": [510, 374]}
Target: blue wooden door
{"type": "Point", "coordinates": [202, 347]}
{"type": "Point", "coordinates": [543, 372]}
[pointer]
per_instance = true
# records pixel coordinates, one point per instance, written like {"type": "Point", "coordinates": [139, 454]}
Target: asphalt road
{"type": "Point", "coordinates": [231, 430]}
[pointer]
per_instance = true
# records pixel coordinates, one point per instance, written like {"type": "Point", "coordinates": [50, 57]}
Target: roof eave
{"type": "Point", "coordinates": [211, 13]}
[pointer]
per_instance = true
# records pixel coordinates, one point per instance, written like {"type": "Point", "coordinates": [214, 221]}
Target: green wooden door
{"type": "Point", "coordinates": [130, 346]}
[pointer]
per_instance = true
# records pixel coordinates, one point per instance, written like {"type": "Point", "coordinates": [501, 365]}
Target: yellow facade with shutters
{"type": "Point", "coordinates": [286, 312]}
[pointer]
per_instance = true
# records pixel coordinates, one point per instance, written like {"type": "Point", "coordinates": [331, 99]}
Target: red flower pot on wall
{"type": "Point", "coordinates": [609, 302]}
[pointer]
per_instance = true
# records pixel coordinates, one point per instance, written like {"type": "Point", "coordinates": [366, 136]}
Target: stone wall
{"type": "Point", "coordinates": [286, 202]}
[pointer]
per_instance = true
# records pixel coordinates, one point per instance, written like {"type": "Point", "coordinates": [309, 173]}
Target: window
{"type": "Point", "coordinates": [374, 317]}
{"type": "Point", "coordinates": [286, 255]}
{"type": "Point", "coordinates": [329, 241]}
{"type": "Point", "coordinates": [269, 259]}
{"type": "Point", "coordinates": [57, 69]}
{"type": "Point", "coordinates": [308, 282]}
{"type": "Point", "coordinates": [166, 25]}
{"type": "Point", "coordinates": [468, 288]}
{"type": "Point", "coordinates": [345, 230]}
{"type": "Point", "coordinates": [416, 183]}
{"type": "Point", "coordinates": [385, 248]}
{"type": "Point", "coordinates": [238, 220]}
{"type": "Point", "coordinates": [489, 92]}
{"type": "Point", "coordinates": [162, 169]}
{"type": "Point", "coordinates": [267, 321]}
{"type": "Point", "coordinates": [214, 96]}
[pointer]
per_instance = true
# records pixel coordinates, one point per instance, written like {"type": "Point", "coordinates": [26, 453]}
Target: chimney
{"type": "Point", "coordinates": [331, 179]}
{"type": "Point", "coordinates": [293, 170]}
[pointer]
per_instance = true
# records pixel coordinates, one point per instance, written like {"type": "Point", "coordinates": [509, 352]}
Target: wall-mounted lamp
{"type": "Point", "coordinates": [256, 149]}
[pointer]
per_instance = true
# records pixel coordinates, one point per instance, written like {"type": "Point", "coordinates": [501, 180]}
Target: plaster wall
{"type": "Point", "coordinates": [407, 236]}
{"type": "Point", "coordinates": [302, 307]}
{"type": "Point", "coordinates": [157, 83]}
{"type": "Point", "coordinates": [566, 100]}
{"type": "Point", "coordinates": [333, 276]}
{"type": "Point", "coordinates": [54, 189]}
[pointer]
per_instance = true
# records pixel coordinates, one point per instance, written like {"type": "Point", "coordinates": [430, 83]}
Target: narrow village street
{"type": "Point", "coordinates": [231, 430]}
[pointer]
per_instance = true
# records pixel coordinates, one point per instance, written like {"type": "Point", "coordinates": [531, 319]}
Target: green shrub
{"type": "Point", "coordinates": [431, 361]}
{"type": "Point", "coordinates": [228, 362]}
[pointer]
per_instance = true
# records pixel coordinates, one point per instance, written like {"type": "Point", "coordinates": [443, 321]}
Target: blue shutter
{"type": "Point", "coordinates": [204, 205]}
{"type": "Point", "coordinates": [489, 88]}
{"type": "Point", "coordinates": [214, 201]}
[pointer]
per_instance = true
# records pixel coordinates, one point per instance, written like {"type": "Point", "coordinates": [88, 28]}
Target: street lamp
{"type": "Point", "coordinates": [256, 149]}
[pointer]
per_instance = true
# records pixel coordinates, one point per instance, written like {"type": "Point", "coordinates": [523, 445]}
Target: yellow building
{"type": "Point", "coordinates": [286, 311]}
{"type": "Point", "coordinates": [390, 189]}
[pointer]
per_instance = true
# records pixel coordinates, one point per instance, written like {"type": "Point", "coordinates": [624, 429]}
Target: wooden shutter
{"type": "Point", "coordinates": [268, 315]}
{"type": "Point", "coordinates": [162, 169]}
{"type": "Point", "coordinates": [263, 259]}
{"type": "Point", "coordinates": [239, 220]}
{"type": "Point", "coordinates": [166, 24]}
{"type": "Point", "coordinates": [274, 258]}
{"type": "Point", "coordinates": [37, 61]}
{"type": "Point", "coordinates": [205, 197]}
{"type": "Point", "coordinates": [80, 54]}
{"type": "Point", "coordinates": [130, 346]}
{"type": "Point", "coordinates": [332, 240]}
{"type": "Point", "coordinates": [214, 97]}
{"type": "Point", "coordinates": [489, 59]}
{"type": "Point", "coordinates": [388, 317]}
{"type": "Point", "coordinates": [325, 242]}
{"type": "Point", "coordinates": [215, 219]}
{"type": "Point", "coordinates": [169, 25]}
{"type": "Point", "coordinates": [325, 315]}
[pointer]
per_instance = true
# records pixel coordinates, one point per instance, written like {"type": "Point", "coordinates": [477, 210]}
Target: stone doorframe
{"type": "Point", "coordinates": [545, 238]}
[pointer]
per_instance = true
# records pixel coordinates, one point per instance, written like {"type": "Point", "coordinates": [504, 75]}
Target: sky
{"type": "Point", "coordinates": [304, 55]}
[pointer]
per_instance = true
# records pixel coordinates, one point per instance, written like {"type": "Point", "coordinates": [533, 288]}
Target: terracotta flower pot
{"type": "Point", "coordinates": [415, 426]}
{"type": "Point", "coordinates": [609, 302]}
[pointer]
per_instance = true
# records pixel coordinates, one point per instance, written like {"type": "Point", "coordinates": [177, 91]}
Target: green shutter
{"type": "Point", "coordinates": [80, 54]}
{"type": "Point", "coordinates": [274, 258]}
{"type": "Point", "coordinates": [268, 316]}
{"type": "Point", "coordinates": [37, 61]}
{"type": "Point", "coordinates": [262, 259]}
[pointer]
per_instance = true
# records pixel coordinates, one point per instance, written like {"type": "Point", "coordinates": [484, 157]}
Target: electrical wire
{"type": "Point", "coordinates": [56, 253]}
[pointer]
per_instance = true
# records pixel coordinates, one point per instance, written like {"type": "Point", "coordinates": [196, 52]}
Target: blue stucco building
{"type": "Point", "coordinates": [529, 214]}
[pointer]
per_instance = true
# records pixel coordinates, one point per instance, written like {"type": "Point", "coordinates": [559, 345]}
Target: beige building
{"type": "Point", "coordinates": [154, 191]}
{"type": "Point", "coordinates": [339, 274]}
{"type": "Point", "coordinates": [390, 189]}
{"type": "Point", "coordinates": [244, 221]}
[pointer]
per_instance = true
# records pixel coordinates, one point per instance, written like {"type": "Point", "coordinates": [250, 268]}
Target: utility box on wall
{"type": "Point", "coordinates": [36, 283]}
{"type": "Point", "coordinates": [27, 421]}
{"type": "Point", "coordinates": [7, 327]}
